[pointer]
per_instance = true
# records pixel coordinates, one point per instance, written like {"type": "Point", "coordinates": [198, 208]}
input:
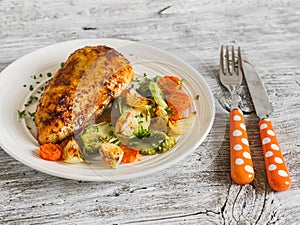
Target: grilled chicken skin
{"type": "Point", "coordinates": [79, 92]}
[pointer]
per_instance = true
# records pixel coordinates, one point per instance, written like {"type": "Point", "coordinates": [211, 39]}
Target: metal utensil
{"type": "Point", "coordinates": [241, 165]}
{"type": "Point", "coordinates": [276, 169]}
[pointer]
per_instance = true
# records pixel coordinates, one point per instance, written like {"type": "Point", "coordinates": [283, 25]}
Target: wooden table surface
{"type": "Point", "coordinates": [198, 189]}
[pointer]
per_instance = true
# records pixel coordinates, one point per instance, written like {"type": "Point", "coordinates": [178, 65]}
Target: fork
{"type": "Point", "coordinates": [241, 165]}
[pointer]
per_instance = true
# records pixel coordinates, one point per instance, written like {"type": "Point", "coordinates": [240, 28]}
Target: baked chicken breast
{"type": "Point", "coordinates": [79, 92]}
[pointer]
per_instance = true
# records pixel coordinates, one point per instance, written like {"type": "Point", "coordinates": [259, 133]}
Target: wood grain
{"type": "Point", "coordinates": [198, 190]}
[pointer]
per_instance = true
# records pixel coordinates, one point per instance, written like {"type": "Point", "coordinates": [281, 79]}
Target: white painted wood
{"type": "Point", "coordinates": [198, 190]}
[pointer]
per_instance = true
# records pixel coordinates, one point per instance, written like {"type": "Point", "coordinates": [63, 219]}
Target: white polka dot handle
{"type": "Point", "coordinates": [241, 165]}
{"type": "Point", "coordinates": [276, 169]}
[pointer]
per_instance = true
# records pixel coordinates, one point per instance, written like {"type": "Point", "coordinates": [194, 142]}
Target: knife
{"type": "Point", "coordinates": [276, 169]}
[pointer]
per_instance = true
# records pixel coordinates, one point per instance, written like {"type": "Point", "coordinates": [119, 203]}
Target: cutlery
{"type": "Point", "coordinates": [241, 165]}
{"type": "Point", "coordinates": [276, 169]}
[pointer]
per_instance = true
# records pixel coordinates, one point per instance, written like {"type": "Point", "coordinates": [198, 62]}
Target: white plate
{"type": "Point", "coordinates": [21, 144]}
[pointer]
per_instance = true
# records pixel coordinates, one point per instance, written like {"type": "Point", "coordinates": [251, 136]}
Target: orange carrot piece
{"type": "Point", "coordinates": [179, 100]}
{"type": "Point", "coordinates": [169, 84]}
{"type": "Point", "coordinates": [130, 154]}
{"type": "Point", "coordinates": [173, 113]}
{"type": "Point", "coordinates": [50, 152]}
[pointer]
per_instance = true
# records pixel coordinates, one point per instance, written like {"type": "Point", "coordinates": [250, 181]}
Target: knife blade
{"type": "Point", "coordinates": [276, 169]}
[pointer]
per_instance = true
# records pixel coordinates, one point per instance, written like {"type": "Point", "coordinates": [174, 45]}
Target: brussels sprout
{"type": "Point", "coordinates": [93, 135]}
{"type": "Point", "coordinates": [144, 88]}
{"type": "Point", "coordinates": [156, 142]}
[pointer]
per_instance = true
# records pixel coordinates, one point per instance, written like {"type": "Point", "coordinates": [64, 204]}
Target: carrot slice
{"type": "Point", "coordinates": [50, 152]}
{"type": "Point", "coordinates": [169, 84]}
{"type": "Point", "coordinates": [179, 100]}
{"type": "Point", "coordinates": [173, 113]}
{"type": "Point", "coordinates": [130, 154]}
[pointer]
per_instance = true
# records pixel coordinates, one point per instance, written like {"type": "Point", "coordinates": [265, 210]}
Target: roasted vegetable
{"type": "Point", "coordinates": [158, 124]}
{"type": "Point", "coordinates": [93, 135]}
{"type": "Point", "coordinates": [71, 152]}
{"type": "Point", "coordinates": [158, 95]}
{"type": "Point", "coordinates": [158, 142]}
{"type": "Point", "coordinates": [179, 100]}
{"type": "Point", "coordinates": [112, 154]}
{"type": "Point", "coordinates": [144, 88]}
{"type": "Point", "coordinates": [130, 154]}
{"type": "Point", "coordinates": [183, 125]}
{"type": "Point", "coordinates": [50, 152]}
{"type": "Point", "coordinates": [161, 113]}
{"type": "Point", "coordinates": [134, 99]}
{"type": "Point", "coordinates": [169, 84]}
{"type": "Point", "coordinates": [122, 106]}
{"type": "Point", "coordinates": [131, 122]}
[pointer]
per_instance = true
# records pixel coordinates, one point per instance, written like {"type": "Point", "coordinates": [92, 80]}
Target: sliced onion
{"type": "Point", "coordinates": [183, 125]}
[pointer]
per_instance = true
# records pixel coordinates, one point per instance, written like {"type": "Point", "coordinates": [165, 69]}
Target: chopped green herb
{"type": "Point", "coordinates": [33, 99]}
{"type": "Point", "coordinates": [145, 74]}
{"type": "Point", "coordinates": [31, 87]}
{"type": "Point", "coordinates": [155, 79]}
{"type": "Point", "coordinates": [49, 74]}
{"type": "Point", "coordinates": [29, 128]}
{"type": "Point", "coordinates": [111, 133]}
{"type": "Point", "coordinates": [41, 75]}
{"type": "Point", "coordinates": [24, 85]}
{"type": "Point", "coordinates": [169, 110]}
{"type": "Point", "coordinates": [137, 79]}
{"type": "Point", "coordinates": [22, 113]}
{"type": "Point", "coordinates": [37, 82]}
{"type": "Point", "coordinates": [62, 64]}
{"type": "Point", "coordinates": [32, 115]}
{"type": "Point", "coordinates": [197, 97]}
{"type": "Point", "coordinates": [180, 82]}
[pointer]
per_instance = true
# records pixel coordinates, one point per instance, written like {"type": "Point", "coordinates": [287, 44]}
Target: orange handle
{"type": "Point", "coordinates": [240, 157]}
{"type": "Point", "coordinates": [277, 172]}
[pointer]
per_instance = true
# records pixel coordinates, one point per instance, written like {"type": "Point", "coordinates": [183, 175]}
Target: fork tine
{"type": "Point", "coordinates": [221, 62]}
{"type": "Point", "coordinates": [239, 61]}
{"type": "Point", "coordinates": [227, 62]}
{"type": "Point", "coordinates": [233, 61]}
